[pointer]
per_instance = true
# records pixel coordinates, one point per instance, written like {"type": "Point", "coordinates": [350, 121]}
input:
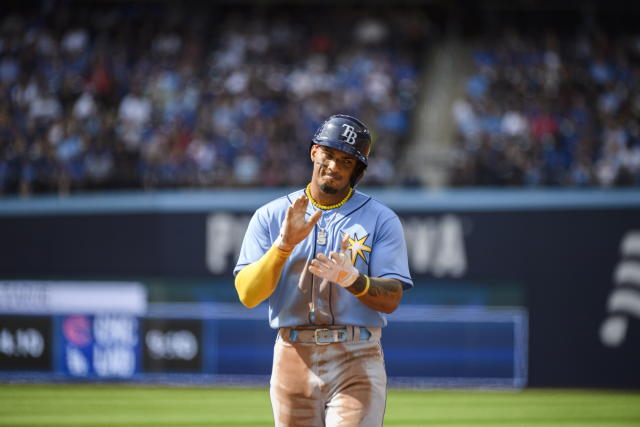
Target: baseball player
{"type": "Point", "coordinates": [331, 260]}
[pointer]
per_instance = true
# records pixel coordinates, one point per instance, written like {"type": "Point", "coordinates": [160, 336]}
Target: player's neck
{"type": "Point", "coordinates": [323, 200]}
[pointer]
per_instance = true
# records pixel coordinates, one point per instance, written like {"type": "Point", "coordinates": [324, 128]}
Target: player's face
{"type": "Point", "coordinates": [332, 169]}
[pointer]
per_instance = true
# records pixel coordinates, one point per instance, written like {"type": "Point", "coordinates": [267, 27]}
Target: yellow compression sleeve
{"type": "Point", "coordinates": [257, 281]}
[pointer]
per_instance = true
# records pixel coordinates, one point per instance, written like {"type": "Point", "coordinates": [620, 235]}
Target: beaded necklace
{"type": "Point", "coordinates": [322, 233]}
{"type": "Point", "coordinates": [307, 191]}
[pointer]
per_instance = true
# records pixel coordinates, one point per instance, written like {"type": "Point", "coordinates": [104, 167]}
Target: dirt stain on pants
{"type": "Point", "coordinates": [340, 384]}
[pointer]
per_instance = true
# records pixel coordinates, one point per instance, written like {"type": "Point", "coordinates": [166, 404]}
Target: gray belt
{"type": "Point", "coordinates": [324, 336]}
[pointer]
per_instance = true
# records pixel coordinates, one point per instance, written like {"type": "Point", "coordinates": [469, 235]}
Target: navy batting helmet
{"type": "Point", "coordinates": [349, 135]}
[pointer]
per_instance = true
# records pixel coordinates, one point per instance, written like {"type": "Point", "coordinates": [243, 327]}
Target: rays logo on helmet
{"type": "Point", "coordinates": [349, 134]}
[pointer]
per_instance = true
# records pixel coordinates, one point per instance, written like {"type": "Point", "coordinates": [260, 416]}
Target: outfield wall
{"type": "Point", "coordinates": [568, 263]}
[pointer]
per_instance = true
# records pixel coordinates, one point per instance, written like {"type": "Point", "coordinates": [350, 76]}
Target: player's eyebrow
{"type": "Point", "coordinates": [337, 153]}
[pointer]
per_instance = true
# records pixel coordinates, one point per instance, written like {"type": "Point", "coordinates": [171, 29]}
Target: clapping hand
{"type": "Point", "coordinates": [337, 267]}
{"type": "Point", "coordinates": [295, 227]}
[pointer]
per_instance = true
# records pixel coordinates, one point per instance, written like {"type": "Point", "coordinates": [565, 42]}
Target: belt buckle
{"type": "Point", "coordinates": [323, 336]}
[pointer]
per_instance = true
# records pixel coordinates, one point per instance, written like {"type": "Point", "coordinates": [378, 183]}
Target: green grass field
{"type": "Point", "coordinates": [101, 405]}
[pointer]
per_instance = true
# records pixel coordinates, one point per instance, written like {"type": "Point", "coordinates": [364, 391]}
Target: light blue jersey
{"type": "Point", "coordinates": [376, 245]}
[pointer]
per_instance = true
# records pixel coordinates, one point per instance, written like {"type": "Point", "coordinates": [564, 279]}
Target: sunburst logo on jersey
{"type": "Point", "coordinates": [358, 248]}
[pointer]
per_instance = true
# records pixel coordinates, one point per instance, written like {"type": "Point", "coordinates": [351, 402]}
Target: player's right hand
{"type": "Point", "coordinates": [295, 227]}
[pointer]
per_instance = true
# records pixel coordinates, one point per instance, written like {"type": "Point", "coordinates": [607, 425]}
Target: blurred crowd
{"type": "Point", "coordinates": [550, 110]}
{"type": "Point", "coordinates": [143, 95]}
{"type": "Point", "coordinates": [169, 95]}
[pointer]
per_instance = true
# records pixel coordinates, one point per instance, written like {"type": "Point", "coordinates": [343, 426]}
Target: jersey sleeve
{"type": "Point", "coordinates": [389, 254]}
{"type": "Point", "coordinates": [256, 242]}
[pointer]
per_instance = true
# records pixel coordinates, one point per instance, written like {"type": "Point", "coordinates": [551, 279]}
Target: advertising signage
{"type": "Point", "coordinates": [25, 343]}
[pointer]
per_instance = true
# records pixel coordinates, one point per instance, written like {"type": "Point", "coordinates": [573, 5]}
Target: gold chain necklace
{"type": "Point", "coordinates": [307, 191]}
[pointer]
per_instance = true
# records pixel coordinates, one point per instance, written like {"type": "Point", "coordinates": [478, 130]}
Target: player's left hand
{"type": "Point", "coordinates": [336, 268]}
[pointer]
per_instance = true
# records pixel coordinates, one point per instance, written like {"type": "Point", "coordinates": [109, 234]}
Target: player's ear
{"type": "Point", "coordinates": [312, 151]}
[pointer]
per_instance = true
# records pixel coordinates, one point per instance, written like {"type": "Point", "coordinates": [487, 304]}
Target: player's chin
{"type": "Point", "coordinates": [332, 185]}
{"type": "Point", "coordinates": [326, 188]}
